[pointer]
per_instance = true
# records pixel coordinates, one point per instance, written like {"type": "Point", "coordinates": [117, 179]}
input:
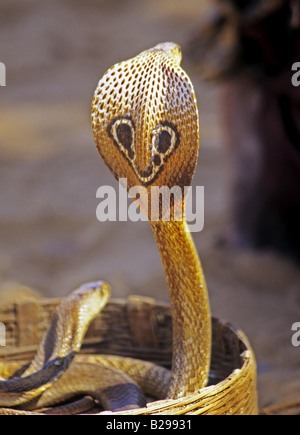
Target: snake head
{"type": "Point", "coordinates": [145, 120]}
{"type": "Point", "coordinates": [78, 310]}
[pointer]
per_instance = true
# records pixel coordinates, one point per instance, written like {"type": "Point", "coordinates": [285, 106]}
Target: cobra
{"type": "Point", "coordinates": [146, 129]}
{"type": "Point", "coordinates": [145, 125]}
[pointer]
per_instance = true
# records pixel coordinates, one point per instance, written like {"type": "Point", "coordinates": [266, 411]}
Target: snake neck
{"type": "Point", "coordinates": [190, 307]}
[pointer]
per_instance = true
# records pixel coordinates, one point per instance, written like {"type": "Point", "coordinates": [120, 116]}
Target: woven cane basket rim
{"type": "Point", "coordinates": [140, 327]}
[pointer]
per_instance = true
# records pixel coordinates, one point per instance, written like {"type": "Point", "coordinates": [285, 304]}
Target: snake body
{"type": "Point", "coordinates": [58, 372]}
{"type": "Point", "coordinates": [145, 125]}
{"type": "Point", "coordinates": [59, 345]}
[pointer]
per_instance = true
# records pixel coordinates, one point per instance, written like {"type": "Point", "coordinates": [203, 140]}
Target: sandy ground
{"type": "Point", "coordinates": [55, 52]}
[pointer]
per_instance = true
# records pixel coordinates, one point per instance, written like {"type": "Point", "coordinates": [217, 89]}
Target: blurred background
{"type": "Point", "coordinates": [55, 52]}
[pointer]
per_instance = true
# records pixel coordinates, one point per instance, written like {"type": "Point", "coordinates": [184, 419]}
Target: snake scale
{"type": "Point", "coordinates": [146, 129]}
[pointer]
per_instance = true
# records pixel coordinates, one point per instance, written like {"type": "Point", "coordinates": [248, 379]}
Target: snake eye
{"type": "Point", "coordinates": [165, 139]}
{"type": "Point", "coordinates": [122, 132]}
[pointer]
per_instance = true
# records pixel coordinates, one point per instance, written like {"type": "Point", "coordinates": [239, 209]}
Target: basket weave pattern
{"type": "Point", "coordinates": [141, 328]}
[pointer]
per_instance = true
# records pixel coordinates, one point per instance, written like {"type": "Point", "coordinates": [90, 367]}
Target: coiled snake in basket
{"type": "Point", "coordinates": [145, 125]}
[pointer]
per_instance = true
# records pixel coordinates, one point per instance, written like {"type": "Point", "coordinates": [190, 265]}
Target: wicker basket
{"type": "Point", "coordinates": [141, 328]}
